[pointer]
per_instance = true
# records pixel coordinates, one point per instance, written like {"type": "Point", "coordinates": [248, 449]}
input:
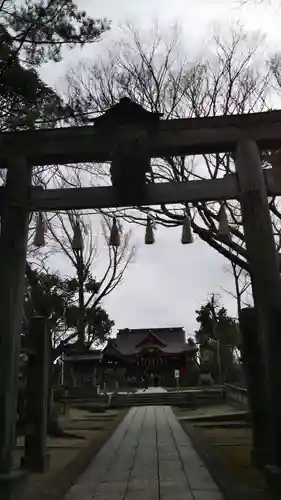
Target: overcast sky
{"type": "Point", "coordinates": [168, 281]}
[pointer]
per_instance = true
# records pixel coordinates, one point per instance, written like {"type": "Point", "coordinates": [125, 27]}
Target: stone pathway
{"type": "Point", "coordinates": [149, 457]}
{"type": "Point", "coordinates": [148, 390]}
{"type": "Point", "coordinates": [155, 390]}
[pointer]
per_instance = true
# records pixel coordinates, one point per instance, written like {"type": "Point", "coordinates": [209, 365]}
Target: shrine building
{"type": "Point", "coordinates": [134, 357]}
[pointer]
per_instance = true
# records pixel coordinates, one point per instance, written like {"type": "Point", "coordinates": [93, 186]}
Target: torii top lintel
{"type": "Point", "coordinates": [166, 138]}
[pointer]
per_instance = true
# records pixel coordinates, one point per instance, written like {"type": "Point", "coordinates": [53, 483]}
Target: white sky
{"type": "Point", "coordinates": [168, 281]}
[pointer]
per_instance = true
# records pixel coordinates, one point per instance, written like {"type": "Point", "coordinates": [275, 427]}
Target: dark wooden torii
{"type": "Point", "coordinates": [243, 135]}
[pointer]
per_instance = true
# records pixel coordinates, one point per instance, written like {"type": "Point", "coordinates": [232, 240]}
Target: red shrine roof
{"type": "Point", "coordinates": [167, 340]}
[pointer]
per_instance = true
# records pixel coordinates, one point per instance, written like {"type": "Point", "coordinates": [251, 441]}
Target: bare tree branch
{"type": "Point", "coordinates": [230, 78]}
{"type": "Point", "coordinates": [84, 261]}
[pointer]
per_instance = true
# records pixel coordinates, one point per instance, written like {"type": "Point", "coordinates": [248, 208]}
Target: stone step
{"type": "Point", "coordinates": [187, 399]}
{"type": "Point", "coordinates": [161, 398]}
{"type": "Point", "coordinates": [165, 399]}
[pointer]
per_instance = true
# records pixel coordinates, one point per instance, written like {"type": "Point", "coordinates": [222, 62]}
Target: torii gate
{"type": "Point", "coordinates": [244, 135]}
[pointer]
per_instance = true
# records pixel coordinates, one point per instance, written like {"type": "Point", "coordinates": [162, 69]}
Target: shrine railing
{"type": "Point", "coordinates": [236, 394]}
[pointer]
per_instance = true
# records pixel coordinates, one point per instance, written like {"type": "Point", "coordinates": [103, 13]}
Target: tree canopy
{"type": "Point", "coordinates": [33, 33]}
{"type": "Point", "coordinates": [215, 323]}
{"type": "Point", "coordinates": [56, 299]}
{"type": "Point", "coordinates": [220, 333]}
{"type": "Point", "coordinates": [36, 30]}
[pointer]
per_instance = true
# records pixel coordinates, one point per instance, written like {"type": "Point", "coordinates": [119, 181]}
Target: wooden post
{"type": "Point", "coordinates": [264, 271]}
{"type": "Point", "coordinates": [253, 365]}
{"type": "Point", "coordinates": [36, 457]}
{"type": "Point", "coordinates": [13, 245]}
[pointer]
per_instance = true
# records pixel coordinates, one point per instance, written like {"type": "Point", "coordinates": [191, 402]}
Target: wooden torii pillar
{"type": "Point", "coordinates": [265, 277]}
{"type": "Point", "coordinates": [13, 247]}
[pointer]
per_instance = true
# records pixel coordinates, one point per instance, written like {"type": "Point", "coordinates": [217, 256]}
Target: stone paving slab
{"type": "Point", "coordinates": [149, 457]}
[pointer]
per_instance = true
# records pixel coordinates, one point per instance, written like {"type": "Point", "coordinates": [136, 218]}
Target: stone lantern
{"type": "Point", "coordinates": [130, 158]}
{"type": "Point", "coordinates": [206, 358]}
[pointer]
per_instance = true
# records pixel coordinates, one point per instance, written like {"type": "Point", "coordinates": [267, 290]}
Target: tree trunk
{"type": "Point", "coordinates": [237, 289]}
{"type": "Point", "coordinates": [81, 312]}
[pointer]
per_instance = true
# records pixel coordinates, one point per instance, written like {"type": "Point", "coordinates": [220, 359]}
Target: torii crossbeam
{"type": "Point", "coordinates": [189, 136]}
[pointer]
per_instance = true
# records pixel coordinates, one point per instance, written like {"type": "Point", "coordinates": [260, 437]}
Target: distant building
{"type": "Point", "coordinates": [139, 356]}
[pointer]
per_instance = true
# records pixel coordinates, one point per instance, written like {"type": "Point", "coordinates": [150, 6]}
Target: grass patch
{"type": "Point", "coordinates": [235, 445]}
{"type": "Point", "coordinates": [222, 436]}
{"type": "Point", "coordinates": [70, 456]}
{"type": "Point", "coordinates": [92, 408]}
